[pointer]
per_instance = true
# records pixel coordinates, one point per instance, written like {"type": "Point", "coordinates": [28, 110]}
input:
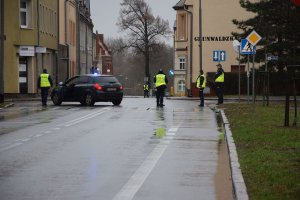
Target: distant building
{"type": "Point", "coordinates": [103, 57]}
{"type": "Point", "coordinates": [216, 31]}
{"type": "Point", "coordinates": [85, 39]}
{"type": "Point", "coordinates": [31, 43]}
{"type": "Point", "coordinates": [67, 53]}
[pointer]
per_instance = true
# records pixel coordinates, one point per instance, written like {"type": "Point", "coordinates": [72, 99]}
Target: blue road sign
{"type": "Point", "coordinates": [222, 56]}
{"type": "Point", "coordinates": [171, 72]}
{"type": "Point", "coordinates": [247, 48]}
{"type": "Point", "coordinates": [272, 58]}
{"type": "Point", "coordinates": [219, 56]}
{"type": "Point", "coordinates": [216, 56]}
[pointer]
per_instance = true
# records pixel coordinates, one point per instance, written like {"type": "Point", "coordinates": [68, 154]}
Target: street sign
{"type": "Point", "coordinates": [171, 72]}
{"type": "Point", "coordinates": [247, 48]}
{"type": "Point", "coordinates": [215, 56]}
{"type": "Point", "coordinates": [222, 56]}
{"type": "Point", "coordinates": [253, 38]}
{"type": "Point", "coordinates": [272, 58]}
{"type": "Point", "coordinates": [219, 56]}
{"type": "Point", "coordinates": [236, 45]}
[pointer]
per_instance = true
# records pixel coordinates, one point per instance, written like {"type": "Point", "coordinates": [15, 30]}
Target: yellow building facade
{"type": "Point", "coordinates": [199, 31]}
{"type": "Point", "coordinates": [67, 40]}
{"type": "Point", "coordinates": [31, 44]}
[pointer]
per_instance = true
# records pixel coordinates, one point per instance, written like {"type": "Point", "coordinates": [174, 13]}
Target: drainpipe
{"type": "Point", "coordinates": [78, 37]}
{"type": "Point", "coordinates": [38, 44]}
{"type": "Point", "coordinates": [200, 34]}
{"type": "Point", "coordinates": [191, 48]}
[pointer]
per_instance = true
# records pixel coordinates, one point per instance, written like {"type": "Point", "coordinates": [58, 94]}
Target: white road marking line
{"type": "Point", "coordinates": [138, 178]}
{"type": "Point", "coordinates": [170, 134]}
{"type": "Point", "coordinates": [86, 117]}
{"type": "Point", "coordinates": [10, 146]}
{"type": "Point", "coordinates": [46, 132]}
{"type": "Point", "coordinates": [56, 128]}
{"type": "Point", "coordinates": [26, 140]}
{"type": "Point", "coordinates": [173, 129]}
{"type": "Point", "coordinates": [37, 135]}
{"type": "Point", "coordinates": [83, 119]}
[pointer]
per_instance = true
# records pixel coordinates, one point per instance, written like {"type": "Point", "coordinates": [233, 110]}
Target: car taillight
{"type": "Point", "coordinates": [121, 87]}
{"type": "Point", "coordinates": [97, 86]}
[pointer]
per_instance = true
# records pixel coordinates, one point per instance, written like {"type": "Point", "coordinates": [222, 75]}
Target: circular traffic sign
{"type": "Point", "coordinates": [236, 45]}
{"type": "Point", "coordinates": [296, 2]}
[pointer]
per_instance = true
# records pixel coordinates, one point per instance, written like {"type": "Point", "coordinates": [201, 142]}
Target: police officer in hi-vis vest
{"type": "Point", "coordinates": [160, 80]}
{"type": "Point", "coordinates": [146, 90]}
{"type": "Point", "coordinates": [219, 82]}
{"type": "Point", "coordinates": [45, 82]}
{"type": "Point", "coordinates": [201, 84]}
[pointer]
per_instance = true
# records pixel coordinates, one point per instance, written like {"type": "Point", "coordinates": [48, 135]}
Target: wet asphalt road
{"type": "Point", "coordinates": [108, 152]}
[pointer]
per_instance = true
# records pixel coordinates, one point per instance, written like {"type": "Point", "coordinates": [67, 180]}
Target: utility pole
{"type": "Point", "coordinates": [2, 37]}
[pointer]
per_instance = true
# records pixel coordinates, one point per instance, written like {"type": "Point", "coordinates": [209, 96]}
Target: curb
{"type": "Point", "coordinates": [238, 182]}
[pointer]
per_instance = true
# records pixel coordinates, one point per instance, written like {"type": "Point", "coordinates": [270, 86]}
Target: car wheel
{"type": "Point", "coordinates": [56, 99]}
{"type": "Point", "coordinates": [89, 99]}
{"type": "Point", "coordinates": [117, 102]}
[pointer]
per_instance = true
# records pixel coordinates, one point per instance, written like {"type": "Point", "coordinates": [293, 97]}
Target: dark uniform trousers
{"type": "Point", "coordinates": [160, 93]}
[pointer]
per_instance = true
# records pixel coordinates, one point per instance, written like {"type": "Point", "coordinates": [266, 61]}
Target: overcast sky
{"type": "Point", "coordinates": [105, 14]}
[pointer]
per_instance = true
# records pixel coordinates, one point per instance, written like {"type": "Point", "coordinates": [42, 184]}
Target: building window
{"type": "Point", "coordinates": [25, 13]}
{"type": "Point", "coordinates": [182, 62]}
{"type": "Point", "coordinates": [181, 86]}
{"type": "Point", "coordinates": [182, 27]}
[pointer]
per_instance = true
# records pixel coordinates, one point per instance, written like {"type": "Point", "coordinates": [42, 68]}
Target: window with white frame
{"type": "Point", "coordinates": [25, 13]}
{"type": "Point", "coordinates": [181, 86]}
{"type": "Point", "coordinates": [182, 63]}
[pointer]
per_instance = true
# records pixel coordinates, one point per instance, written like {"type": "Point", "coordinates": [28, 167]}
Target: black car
{"type": "Point", "coordinates": [88, 89]}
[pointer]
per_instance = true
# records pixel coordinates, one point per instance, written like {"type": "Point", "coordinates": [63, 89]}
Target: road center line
{"type": "Point", "coordinates": [10, 146]}
{"type": "Point", "coordinates": [83, 118]}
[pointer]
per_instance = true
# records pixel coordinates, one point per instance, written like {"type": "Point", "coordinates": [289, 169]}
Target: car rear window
{"type": "Point", "coordinates": [106, 79]}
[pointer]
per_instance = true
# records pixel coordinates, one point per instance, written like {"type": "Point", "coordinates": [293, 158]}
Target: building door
{"type": "Point", "coordinates": [23, 84]}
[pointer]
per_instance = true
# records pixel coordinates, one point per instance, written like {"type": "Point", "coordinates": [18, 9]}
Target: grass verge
{"type": "Point", "coordinates": [269, 153]}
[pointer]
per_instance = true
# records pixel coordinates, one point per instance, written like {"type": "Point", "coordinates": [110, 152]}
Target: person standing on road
{"type": "Point", "coordinates": [146, 90]}
{"type": "Point", "coordinates": [219, 82]}
{"type": "Point", "coordinates": [45, 82]}
{"type": "Point", "coordinates": [201, 84]}
{"type": "Point", "coordinates": [161, 81]}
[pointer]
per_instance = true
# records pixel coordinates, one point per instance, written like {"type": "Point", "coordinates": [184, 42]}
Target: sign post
{"type": "Point", "coordinates": [253, 38]}
{"type": "Point", "coordinates": [237, 48]}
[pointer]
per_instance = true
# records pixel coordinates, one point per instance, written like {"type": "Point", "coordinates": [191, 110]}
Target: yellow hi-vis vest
{"type": "Point", "coordinates": [220, 79]}
{"type": "Point", "coordinates": [203, 84]}
{"type": "Point", "coordinates": [160, 80]}
{"type": "Point", "coordinates": [146, 87]}
{"type": "Point", "coordinates": [44, 80]}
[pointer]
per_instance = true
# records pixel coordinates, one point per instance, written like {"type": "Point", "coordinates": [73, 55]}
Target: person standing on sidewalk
{"type": "Point", "coordinates": [146, 90]}
{"type": "Point", "coordinates": [201, 84]}
{"type": "Point", "coordinates": [45, 82]}
{"type": "Point", "coordinates": [160, 80]}
{"type": "Point", "coordinates": [219, 82]}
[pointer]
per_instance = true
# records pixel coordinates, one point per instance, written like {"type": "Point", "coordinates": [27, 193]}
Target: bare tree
{"type": "Point", "coordinates": [144, 30]}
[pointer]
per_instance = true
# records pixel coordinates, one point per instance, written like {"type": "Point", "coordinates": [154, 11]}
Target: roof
{"type": "Point", "coordinates": [180, 5]}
